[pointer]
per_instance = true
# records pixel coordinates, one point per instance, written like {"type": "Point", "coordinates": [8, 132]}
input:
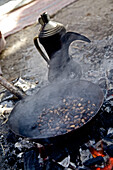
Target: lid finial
{"type": "Point", "coordinates": [44, 18]}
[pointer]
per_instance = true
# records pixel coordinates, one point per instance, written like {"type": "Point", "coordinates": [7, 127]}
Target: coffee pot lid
{"type": "Point", "coordinates": [49, 27]}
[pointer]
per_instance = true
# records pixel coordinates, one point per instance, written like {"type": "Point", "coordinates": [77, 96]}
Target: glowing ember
{"type": "Point", "coordinates": [96, 153]}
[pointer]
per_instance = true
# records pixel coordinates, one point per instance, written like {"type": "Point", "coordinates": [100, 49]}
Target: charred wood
{"type": "Point", "coordinates": [19, 94]}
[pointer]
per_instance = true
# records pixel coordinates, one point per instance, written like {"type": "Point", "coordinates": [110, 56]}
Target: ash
{"type": "Point", "coordinates": [97, 150]}
{"type": "Point", "coordinates": [95, 59]}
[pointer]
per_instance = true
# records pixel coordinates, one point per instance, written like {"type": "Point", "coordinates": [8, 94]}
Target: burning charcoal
{"type": "Point", "coordinates": [49, 165]}
{"type": "Point", "coordinates": [31, 160]}
{"type": "Point", "coordinates": [17, 151]}
{"type": "Point", "coordinates": [102, 132]}
{"type": "Point", "coordinates": [57, 153]}
{"type": "Point", "coordinates": [20, 155]}
{"type": "Point", "coordinates": [109, 95]}
{"type": "Point", "coordinates": [94, 161]}
{"type": "Point", "coordinates": [85, 155]}
{"type": "Point", "coordinates": [108, 138]}
{"type": "Point", "coordinates": [20, 164]}
{"type": "Point", "coordinates": [11, 137]}
{"type": "Point", "coordinates": [109, 150]}
{"type": "Point", "coordinates": [108, 109]}
{"type": "Point", "coordinates": [12, 160]}
{"type": "Point", "coordinates": [80, 168]}
{"type": "Point", "coordinates": [72, 166]}
{"type": "Point", "coordinates": [84, 147]}
{"type": "Point", "coordinates": [110, 75]}
{"type": "Point", "coordinates": [103, 83]}
{"type": "Point", "coordinates": [91, 142]}
{"type": "Point", "coordinates": [18, 145]}
{"type": "Point", "coordinates": [65, 162]}
{"type": "Point", "coordinates": [110, 131]}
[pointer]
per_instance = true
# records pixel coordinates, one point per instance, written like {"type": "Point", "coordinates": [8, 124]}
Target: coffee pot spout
{"type": "Point", "coordinates": [69, 37]}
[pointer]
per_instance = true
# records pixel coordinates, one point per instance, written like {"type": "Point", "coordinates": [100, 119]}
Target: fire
{"type": "Point", "coordinates": [96, 153]}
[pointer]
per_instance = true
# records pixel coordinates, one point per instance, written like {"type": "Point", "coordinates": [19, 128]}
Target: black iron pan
{"type": "Point", "coordinates": [56, 110]}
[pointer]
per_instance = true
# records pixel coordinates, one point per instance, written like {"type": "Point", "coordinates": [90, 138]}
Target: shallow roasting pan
{"type": "Point", "coordinates": [56, 110]}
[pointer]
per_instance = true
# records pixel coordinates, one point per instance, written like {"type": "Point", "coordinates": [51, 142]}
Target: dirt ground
{"type": "Point", "coordinates": [88, 17]}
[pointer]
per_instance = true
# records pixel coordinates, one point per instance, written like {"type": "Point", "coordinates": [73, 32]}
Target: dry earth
{"type": "Point", "coordinates": [89, 17]}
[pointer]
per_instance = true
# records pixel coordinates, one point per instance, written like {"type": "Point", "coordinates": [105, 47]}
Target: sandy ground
{"type": "Point", "coordinates": [88, 17]}
{"type": "Point", "coordinates": [2, 2]}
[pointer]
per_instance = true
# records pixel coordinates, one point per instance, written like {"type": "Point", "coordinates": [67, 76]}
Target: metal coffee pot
{"type": "Point", "coordinates": [56, 41]}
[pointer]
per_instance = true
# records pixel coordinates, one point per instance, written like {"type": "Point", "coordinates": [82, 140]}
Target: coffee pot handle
{"type": "Point", "coordinates": [39, 49]}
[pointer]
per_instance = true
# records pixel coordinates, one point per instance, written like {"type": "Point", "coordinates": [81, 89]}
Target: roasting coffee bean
{"type": "Point", "coordinates": [70, 114]}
